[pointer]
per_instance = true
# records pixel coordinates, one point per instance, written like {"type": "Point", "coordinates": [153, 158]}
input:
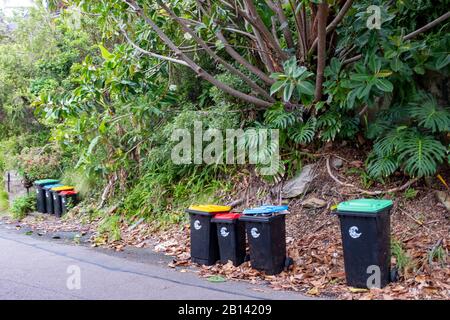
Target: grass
{"type": "Point", "coordinates": [365, 179]}
{"type": "Point", "coordinates": [109, 227]}
{"type": "Point", "coordinates": [162, 196]}
{"type": "Point", "coordinates": [410, 193]}
{"type": "Point", "coordinates": [82, 183]}
{"type": "Point", "coordinates": [404, 261]}
{"type": "Point", "coordinates": [22, 206]}
{"type": "Point", "coordinates": [4, 202]}
{"type": "Point", "coordinates": [438, 254]}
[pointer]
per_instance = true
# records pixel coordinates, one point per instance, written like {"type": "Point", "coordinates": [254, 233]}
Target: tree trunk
{"type": "Point", "coordinates": [322, 16]}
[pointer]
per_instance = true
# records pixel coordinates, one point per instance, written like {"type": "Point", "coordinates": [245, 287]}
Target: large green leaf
{"type": "Point", "coordinates": [305, 87]}
{"type": "Point", "coordinates": [384, 85]}
{"type": "Point", "coordinates": [382, 166]}
{"type": "Point", "coordinates": [304, 132]}
{"type": "Point", "coordinates": [429, 115]}
{"type": "Point", "coordinates": [277, 86]}
{"type": "Point", "coordinates": [105, 53]}
{"type": "Point", "coordinates": [421, 154]}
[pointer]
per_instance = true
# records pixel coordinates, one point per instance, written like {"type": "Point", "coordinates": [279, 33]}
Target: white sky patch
{"type": "Point", "coordinates": [9, 6]}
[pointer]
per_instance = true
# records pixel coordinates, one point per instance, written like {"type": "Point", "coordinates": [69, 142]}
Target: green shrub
{"type": "Point", "coordinates": [22, 206]}
{"type": "Point", "coordinates": [38, 163]}
{"type": "Point", "coordinates": [109, 227]}
{"type": "Point", "coordinates": [4, 204]}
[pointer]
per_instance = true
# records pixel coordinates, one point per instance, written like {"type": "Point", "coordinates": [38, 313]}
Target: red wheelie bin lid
{"type": "Point", "coordinates": [68, 193]}
{"type": "Point", "coordinates": [226, 217]}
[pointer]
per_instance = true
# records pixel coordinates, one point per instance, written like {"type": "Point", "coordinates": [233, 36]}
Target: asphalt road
{"type": "Point", "coordinates": [32, 268]}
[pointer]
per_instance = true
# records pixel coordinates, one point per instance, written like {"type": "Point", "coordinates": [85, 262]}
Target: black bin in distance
{"type": "Point", "coordinates": [57, 205]}
{"type": "Point", "coordinates": [204, 242]}
{"type": "Point", "coordinates": [49, 197]}
{"type": "Point", "coordinates": [40, 193]}
{"type": "Point", "coordinates": [267, 241]}
{"type": "Point", "coordinates": [231, 237]}
{"type": "Point", "coordinates": [365, 230]}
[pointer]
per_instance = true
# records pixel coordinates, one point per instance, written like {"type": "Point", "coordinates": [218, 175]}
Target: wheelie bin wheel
{"type": "Point", "coordinates": [394, 274]}
{"type": "Point", "coordinates": [288, 262]}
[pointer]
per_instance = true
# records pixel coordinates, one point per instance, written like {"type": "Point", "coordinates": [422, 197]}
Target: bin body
{"type": "Point", "coordinates": [231, 238]}
{"type": "Point", "coordinates": [49, 197]}
{"type": "Point", "coordinates": [57, 200]}
{"type": "Point", "coordinates": [366, 243]}
{"type": "Point", "coordinates": [40, 194]}
{"type": "Point", "coordinates": [56, 203]}
{"type": "Point", "coordinates": [204, 242]}
{"type": "Point", "coordinates": [267, 241]}
{"type": "Point", "coordinates": [67, 198]}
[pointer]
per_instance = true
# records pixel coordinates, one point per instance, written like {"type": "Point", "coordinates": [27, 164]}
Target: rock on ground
{"type": "Point", "coordinates": [299, 184]}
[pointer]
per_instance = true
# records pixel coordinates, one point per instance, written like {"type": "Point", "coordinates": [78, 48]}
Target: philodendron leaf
{"type": "Point", "coordinates": [276, 87]}
{"type": "Point", "coordinates": [105, 53]}
{"type": "Point", "coordinates": [299, 71]}
{"type": "Point", "coordinates": [287, 94]}
{"type": "Point", "coordinates": [305, 87]}
{"type": "Point", "coordinates": [384, 85]}
{"type": "Point", "coordinates": [383, 74]}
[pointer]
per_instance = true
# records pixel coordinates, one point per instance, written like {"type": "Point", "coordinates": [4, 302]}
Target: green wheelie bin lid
{"type": "Point", "coordinates": [46, 181]}
{"type": "Point", "coordinates": [364, 205]}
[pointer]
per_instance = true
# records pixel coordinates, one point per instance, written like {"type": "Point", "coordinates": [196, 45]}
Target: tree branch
{"type": "Point", "coordinates": [255, 20]}
{"type": "Point", "coordinates": [196, 68]}
{"type": "Point", "coordinates": [322, 47]}
{"type": "Point", "coordinates": [301, 41]}
{"type": "Point", "coordinates": [427, 26]}
{"type": "Point", "coordinates": [211, 52]}
{"type": "Point", "coordinates": [410, 35]}
{"type": "Point", "coordinates": [264, 51]}
{"type": "Point", "coordinates": [347, 5]}
{"type": "Point", "coordinates": [151, 54]}
{"type": "Point", "coordinates": [278, 9]}
{"type": "Point", "coordinates": [372, 193]}
{"type": "Point", "coordinates": [234, 54]}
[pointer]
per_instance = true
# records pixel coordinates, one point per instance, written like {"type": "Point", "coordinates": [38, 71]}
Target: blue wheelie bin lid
{"type": "Point", "coordinates": [265, 209]}
{"type": "Point", "coordinates": [275, 208]}
{"type": "Point", "coordinates": [50, 186]}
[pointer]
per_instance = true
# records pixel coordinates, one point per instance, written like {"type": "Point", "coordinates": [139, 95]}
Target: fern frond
{"type": "Point", "coordinates": [304, 132]}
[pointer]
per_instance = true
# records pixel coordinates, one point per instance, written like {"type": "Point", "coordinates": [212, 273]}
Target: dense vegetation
{"type": "Point", "coordinates": [92, 94]}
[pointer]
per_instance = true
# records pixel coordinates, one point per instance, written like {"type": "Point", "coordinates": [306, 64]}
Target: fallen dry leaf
{"type": "Point", "coordinates": [314, 291]}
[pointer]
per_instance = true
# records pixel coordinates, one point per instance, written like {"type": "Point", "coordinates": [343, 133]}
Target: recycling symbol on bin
{"type": "Point", "coordinates": [255, 233]}
{"type": "Point", "coordinates": [353, 232]}
{"type": "Point", "coordinates": [224, 232]}
{"type": "Point", "coordinates": [197, 225]}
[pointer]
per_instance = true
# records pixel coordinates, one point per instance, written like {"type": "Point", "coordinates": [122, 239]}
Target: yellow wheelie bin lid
{"type": "Point", "coordinates": [208, 208]}
{"type": "Point", "coordinates": [63, 188]}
